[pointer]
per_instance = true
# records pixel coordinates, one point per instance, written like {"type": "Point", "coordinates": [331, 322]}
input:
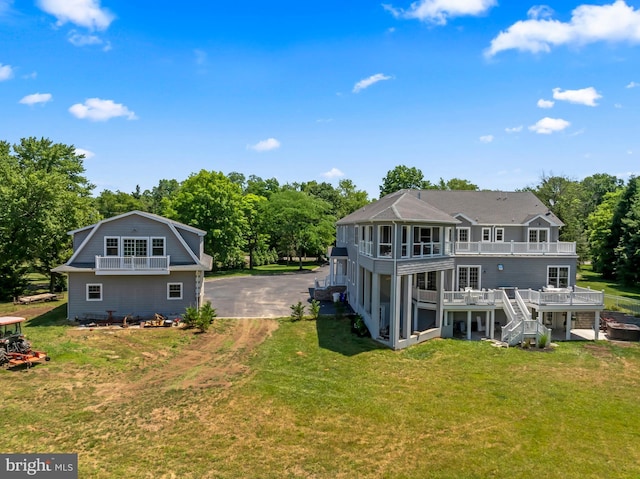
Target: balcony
{"type": "Point", "coordinates": [558, 248]}
{"type": "Point", "coordinates": [132, 265]}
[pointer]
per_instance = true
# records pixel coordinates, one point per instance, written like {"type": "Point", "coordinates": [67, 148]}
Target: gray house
{"type": "Point", "coordinates": [135, 264]}
{"type": "Point", "coordinates": [423, 264]}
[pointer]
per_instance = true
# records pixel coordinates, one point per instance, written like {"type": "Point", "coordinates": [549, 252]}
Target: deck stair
{"type": "Point", "coordinates": [521, 325]}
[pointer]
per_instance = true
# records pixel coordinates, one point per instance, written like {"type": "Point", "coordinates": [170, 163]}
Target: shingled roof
{"type": "Point", "coordinates": [399, 206]}
{"type": "Point", "coordinates": [436, 206]}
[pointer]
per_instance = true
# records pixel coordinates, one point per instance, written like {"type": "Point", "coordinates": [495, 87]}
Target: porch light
{"type": "Point", "coordinates": [500, 267]}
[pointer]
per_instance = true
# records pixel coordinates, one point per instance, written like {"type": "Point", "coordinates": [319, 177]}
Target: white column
{"type": "Point", "coordinates": [568, 327]}
{"type": "Point", "coordinates": [408, 307]}
{"type": "Point", "coordinates": [469, 325]}
{"type": "Point", "coordinates": [375, 313]}
{"type": "Point", "coordinates": [331, 270]}
{"type": "Point", "coordinates": [492, 331]}
{"type": "Point", "coordinates": [596, 324]}
{"type": "Point", "coordinates": [395, 310]}
{"type": "Point", "coordinates": [439, 311]}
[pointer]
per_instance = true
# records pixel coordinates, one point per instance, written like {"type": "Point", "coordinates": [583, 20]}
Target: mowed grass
{"type": "Point", "coordinates": [267, 269]}
{"type": "Point", "coordinates": [313, 401]}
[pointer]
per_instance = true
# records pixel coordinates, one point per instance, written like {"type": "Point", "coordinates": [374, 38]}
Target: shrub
{"type": "Point", "coordinates": [314, 309]}
{"type": "Point", "coordinates": [359, 327]}
{"type": "Point", "coordinates": [201, 319]}
{"type": "Point", "coordinates": [297, 311]}
{"type": "Point", "coordinates": [543, 341]}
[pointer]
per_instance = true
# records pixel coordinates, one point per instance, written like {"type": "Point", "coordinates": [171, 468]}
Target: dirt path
{"type": "Point", "coordinates": [214, 358]}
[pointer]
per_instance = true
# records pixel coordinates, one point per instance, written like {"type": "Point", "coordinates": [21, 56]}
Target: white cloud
{"type": "Point", "coordinates": [439, 11]}
{"type": "Point", "coordinates": [486, 138]}
{"type": "Point", "coordinates": [633, 84]}
{"type": "Point", "coordinates": [367, 82]}
{"type": "Point", "coordinates": [84, 13]}
{"type": "Point", "coordinates": [96, 109]}
{"type": "Point", "coordinates": [617, 105]}
{"type": "Point", "coordinates": [515, 129]}
{"type": "Point", "coordinates": [87, 154]}
{"type": "Point", "coordinates": [540, 11]}
{"type": "Point", "coordinates": [265, 145]}
{"type": "Point", "coordinates": [36, 98]}
{"type": "Point", "coordinates": [584, 96]}
{"type": "Point", "coordinates": [333, 173]}
{"type": "Point", "coordinates": [545, 103]}
{"type": "Point", "coordinates": [30, 76]}
{"type": "Point", "coordinates": [617, 22]}
{"type": "Point", "coordinates": [6, 72]}
{"type": "Point", "coordinates": [80, 40]}
{"type": "Point", "coordinates": [547, 125]}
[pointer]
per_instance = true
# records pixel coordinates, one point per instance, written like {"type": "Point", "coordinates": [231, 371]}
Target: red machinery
{"type": "Point", "coordinates": [14, 348]}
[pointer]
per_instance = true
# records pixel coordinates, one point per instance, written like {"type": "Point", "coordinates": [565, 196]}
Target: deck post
{"type": "Point", "coordinates": [469, 325]}
{"type": "Point", "coordinates": [596, 324]}
{"type": "Point", "coordinates": [568, 327]}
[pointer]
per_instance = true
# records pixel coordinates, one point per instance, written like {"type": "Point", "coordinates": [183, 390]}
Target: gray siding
{"type": "Point", "coordinates": [134, 226]}
{"type": "Point", "coordinates": [79, 237]}
{"type": "Point", "coordinates": [424, 265]}
{"type": "Point", "coordinates": [137, 295]}
{"type": "Point", "coordinates": [192, 239]}
{"type": "Point", "coordinates": [518, 271]}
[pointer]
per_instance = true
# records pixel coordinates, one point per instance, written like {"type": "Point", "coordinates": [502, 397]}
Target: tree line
{"type": "Point", "coordinates": [249, 221]}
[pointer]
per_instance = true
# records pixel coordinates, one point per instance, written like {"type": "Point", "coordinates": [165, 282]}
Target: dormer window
{"type": "Point", "coordinates": [157, 247]}
{"type": "Point", "coordinates": [111, 246]}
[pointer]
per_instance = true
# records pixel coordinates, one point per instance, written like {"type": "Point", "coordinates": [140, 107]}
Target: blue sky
{"type": "Point", "coordinates": [495, 92]}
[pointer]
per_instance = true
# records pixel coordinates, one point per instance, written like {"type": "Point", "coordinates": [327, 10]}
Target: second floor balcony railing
{"type": "Point", "coordinates": [516, 248]}
{"type": "Point", "coordinates": [157, 264]}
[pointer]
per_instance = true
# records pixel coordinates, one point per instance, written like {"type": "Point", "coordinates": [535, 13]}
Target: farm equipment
{"type": "Point", "coordinates": [15, 350]}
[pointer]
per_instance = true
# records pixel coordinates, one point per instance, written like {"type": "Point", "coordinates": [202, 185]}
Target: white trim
{"type": "Point", "coordinates": [463, 228]}
{"type": "Point", "coordinates": [501, 240]}
{"type": "Point", "coordinates": [468, 266]}
{"type": "Point", "coordinates": [169, 297]}
{"type": "Point", "coordinates": [487, 230]}
{"type": "Point", "coordinates": [87, 298]}
{"type": "Point", "coordinates": [118, 246]}
{"type": "Point", "coordinates": [560, 266]}
{"type": "Point", "coordinates": [164, 245]}
{"type": "Point", "coordinates": [538, 229]}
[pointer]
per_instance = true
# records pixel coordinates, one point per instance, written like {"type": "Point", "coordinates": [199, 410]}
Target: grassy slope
{"type": "Point", "coordinates": [313, 401]}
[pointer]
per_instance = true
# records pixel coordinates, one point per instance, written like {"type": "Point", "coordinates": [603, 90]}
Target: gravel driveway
{"type": "Point", "coordinates": [267, 296]}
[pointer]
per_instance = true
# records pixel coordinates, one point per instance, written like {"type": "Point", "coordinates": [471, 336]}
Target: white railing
{"type": "Point", "coordinates": [132, 263]}
{"type": "Point", "coordinates": [425, 296]}
{"type": "Point", "coordinates": [366, 248]}
{"type": "Point", "coordinates": [471, 297]}
{"type": "Point", "coordinates": [513, 247]}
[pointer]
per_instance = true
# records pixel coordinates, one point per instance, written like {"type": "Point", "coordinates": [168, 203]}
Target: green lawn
{"type": "Point", "coordinates": [587, 278]}
{"type": "Point", "coordinates": [267, 269]}
{"type": "Point", "coordinates": [312, 401]}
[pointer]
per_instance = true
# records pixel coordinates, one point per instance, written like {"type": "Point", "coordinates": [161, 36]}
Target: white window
{"type": "Point", "coordinates": [94, 292]}
{"type": "Point", "coordinates": [558, 276]}
{"type": "Point", "coordinates": [355, 235]}
{"type": "Point", "coordinates": [499, 234]}
{"type": "Point", "coordinates": [486, 234]}
{"type": "Point", "coordinates": [405, 242]}
{"type": "Point", "coordinates": [157, 247]}
{"type": "Point", "coordinates": [134, 246]}
{"type": "Point", "coordinates": [426, 241]}
{"type": "Point", "coordinates": [384, 241]}
{"type": "Point", "coordinates": [538, 235]}
{"type": "Point", "coordinates": [111, 246]}
{"type": "Point", "coordinates": [463, 235]}
{"type": "Point", "coordinates": [174, 290]}
{"type": "Point", "coordinates": [469, 277]}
